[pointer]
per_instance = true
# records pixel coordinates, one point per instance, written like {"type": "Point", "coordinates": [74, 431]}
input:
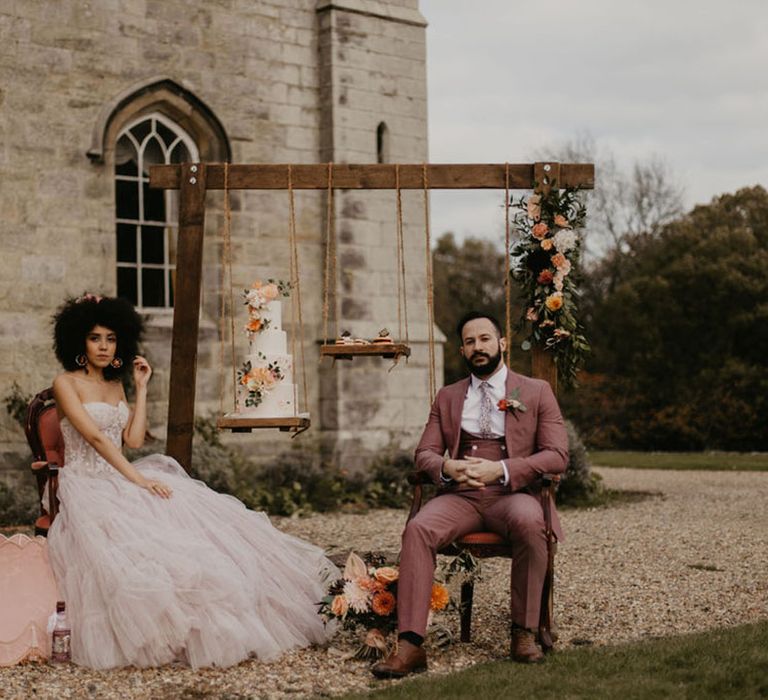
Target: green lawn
{"type": "Point", "coordinates": [727, 663]}
{"type": "Point", "coordinates": [710, 461]}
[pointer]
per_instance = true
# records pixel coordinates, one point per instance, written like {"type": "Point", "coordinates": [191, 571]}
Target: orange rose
{"type": "Point", "coordinates": [554, 301]}
{"type": "Point", "coordinates": [547, 244]}
{"type": "Point", "coordinates": [439, 598]}
{"type": "Point", "coordinates": [339, 606]}
{"type": "Point", "coordinates": [254, 325]}
{"type": "Point", "coordinates": [559, 260]}
{"type": "Point", "coordinates": [370, 584]}
{"type": "Point", "coordinates": [387, 574]}
{"type": "Point", "coordinates": [383, 603]}
{"type": "Point", "coordinates": [540, 230]}
{"type": "Point", "coordinates": [561, 221]}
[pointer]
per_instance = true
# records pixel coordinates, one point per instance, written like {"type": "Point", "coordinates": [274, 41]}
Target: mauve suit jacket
{"type": "Point", "coordinates": [536, 440]}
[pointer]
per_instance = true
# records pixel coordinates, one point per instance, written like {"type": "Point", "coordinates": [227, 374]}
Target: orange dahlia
{"type": "Point", "coordinates": [383, 603]}
{"type": "Point", "coordinates": [439, 598]}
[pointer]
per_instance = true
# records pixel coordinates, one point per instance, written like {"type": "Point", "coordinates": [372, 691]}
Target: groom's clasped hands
{"type": "Point", "coordinates": [473, 472]}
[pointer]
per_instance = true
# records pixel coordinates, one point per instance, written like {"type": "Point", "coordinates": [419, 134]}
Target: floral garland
{"type": "Point", "coordinates": [545, 259]}
{"type": "Point", "coordinates": [257, 298]}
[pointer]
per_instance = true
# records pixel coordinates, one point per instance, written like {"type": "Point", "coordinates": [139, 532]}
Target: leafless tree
{"type": "Point", "coordinates": [623, 204]}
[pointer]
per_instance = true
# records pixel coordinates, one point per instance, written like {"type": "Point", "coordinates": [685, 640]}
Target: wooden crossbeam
{"type": "Point", "coordinates": [194, 179]}
{"type": "Point", "coordinates": [375, 176]}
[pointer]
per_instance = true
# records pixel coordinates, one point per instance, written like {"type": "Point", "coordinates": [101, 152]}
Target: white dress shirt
{"type": "Point", "coordinates": [470, 415]}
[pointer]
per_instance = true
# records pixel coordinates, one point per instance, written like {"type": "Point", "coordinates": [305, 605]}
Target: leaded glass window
{"type": "Point", "coordinates": [146, 218]}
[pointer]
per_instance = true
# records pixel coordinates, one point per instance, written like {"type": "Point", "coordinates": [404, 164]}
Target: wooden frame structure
{"type": "Point", "coordinates": [193, 180]}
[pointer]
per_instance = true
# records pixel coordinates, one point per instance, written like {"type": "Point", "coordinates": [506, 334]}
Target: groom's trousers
{"type": "Point", "coordinates": [518, 517]}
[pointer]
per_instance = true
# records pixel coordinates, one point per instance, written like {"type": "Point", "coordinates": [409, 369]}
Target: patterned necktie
{"type": "Point", "coordinates": [486, 406]}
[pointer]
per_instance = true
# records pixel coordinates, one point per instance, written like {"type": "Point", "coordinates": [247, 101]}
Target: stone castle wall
{"type": "Point", "coordinates": [299, 82]}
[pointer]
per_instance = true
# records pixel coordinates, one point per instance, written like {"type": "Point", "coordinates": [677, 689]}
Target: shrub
{"type": "Point", "coordinates": [578, 486]}
{"type": "Point", "coordinates": [18, 505]}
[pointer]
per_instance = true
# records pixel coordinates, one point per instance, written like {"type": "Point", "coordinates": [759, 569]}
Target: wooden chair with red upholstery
{"type": "Point", "coordinates": [44, 437]}
{"type": "Point", "coordinates": [489, 544]}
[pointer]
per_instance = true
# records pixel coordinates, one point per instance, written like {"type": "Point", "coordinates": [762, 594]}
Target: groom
{"type": "Point", "coordinates": [489, 480]}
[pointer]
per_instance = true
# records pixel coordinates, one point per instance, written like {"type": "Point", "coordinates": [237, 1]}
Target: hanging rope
{"type": "Point", "coordinates": [430, 287]}
{"type": "Point", "coordinates": [402, 297]}
{"type": "Point", "coordinates": [507, 270]}
{"type": "Point", "coordinates": [296, 285]}
{"type": "Point", "coordinates": [226, 282]}
{"type": "Point", "coordinates": [330, 258]}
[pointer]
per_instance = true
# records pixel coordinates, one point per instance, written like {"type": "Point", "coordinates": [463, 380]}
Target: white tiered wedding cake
{"type": "Point", "coordinates": [266, 387]}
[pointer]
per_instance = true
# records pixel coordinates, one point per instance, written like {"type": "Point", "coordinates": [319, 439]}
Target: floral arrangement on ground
{"type": "Point", "coordinates": [366, 597]}
{"type": "Point", "coordinates": [545, 263]}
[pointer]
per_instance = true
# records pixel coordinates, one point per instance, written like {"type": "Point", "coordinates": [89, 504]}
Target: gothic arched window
{"type": "Point", "coordinates": [146, 218]}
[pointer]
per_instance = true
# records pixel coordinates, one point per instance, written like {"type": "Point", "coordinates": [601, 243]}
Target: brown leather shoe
{"type": "Point", "coordinates": [524, 647]}
{"type": "Point", "coordinates": [408, 658]}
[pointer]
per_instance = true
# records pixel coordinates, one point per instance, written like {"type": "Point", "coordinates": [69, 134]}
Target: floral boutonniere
{"type": "Point", "coordinates": [512, 403]}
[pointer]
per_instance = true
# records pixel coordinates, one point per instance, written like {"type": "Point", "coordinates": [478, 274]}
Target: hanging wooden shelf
{"type": "Point", "coordinates": [348, 352]}
{"type": "Point", "coordinates": [245, 424]}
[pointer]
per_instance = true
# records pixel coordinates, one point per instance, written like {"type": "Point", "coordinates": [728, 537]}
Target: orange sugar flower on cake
{"type": "Point", "coordinates": [383, 603]}
{"type": "Point", "coordinates": [540, 230]}
{"type": "Point", "coordinates": [439, 598]}
{"type": "Point", "coordinates": [270, 291]}
{"type": "Point", "coordinates": [254, 325]}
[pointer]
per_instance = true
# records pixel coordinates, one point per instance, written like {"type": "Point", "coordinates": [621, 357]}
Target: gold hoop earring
{"type": "Point", "coordinates": [117, 363]}
{"type": "Point", "coordinates": [81, 360]}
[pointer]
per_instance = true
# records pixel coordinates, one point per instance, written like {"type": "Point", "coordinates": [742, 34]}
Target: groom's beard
{"type": "Point", "coordinates": [484, 369]}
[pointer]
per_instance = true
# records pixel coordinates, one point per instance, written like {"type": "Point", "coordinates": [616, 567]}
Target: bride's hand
{"type": "Point", "coordinates": [141, 372]}
{"type": "Point", "coordinates": [157, 487]}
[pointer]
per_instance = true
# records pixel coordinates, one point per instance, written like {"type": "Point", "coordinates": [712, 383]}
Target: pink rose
{"type": "Point", "coordinates": [561, 221]}
{"type": "Point", "coordinates": [339, 606]}
{"type": "Point", "coordinates": [545, 277]}
{"type": "Point", "coordinates": [270, 291]}
{"type": "Point", "coordinates": [534, 207]}
{"type": "Point", "coordinates": [559, 260]}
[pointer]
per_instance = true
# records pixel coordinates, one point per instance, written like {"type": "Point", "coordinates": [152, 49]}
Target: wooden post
{"type": "Point", "coordinates": [545, 176]}
{"type": "Point", "coordinates": [186, 313]}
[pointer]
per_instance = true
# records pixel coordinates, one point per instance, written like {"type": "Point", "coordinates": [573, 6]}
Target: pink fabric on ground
{"type": "Point", "coordinates": [28, 596]}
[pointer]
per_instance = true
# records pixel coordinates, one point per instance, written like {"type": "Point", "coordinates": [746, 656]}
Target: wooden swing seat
{"type": "Point", "coordinates": [350, 351]}
{"type": "Point", "coordinates": [246, 424]}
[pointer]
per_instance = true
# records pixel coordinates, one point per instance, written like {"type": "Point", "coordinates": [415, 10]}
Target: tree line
{"type": "Point", "coordinates": [675, 306]}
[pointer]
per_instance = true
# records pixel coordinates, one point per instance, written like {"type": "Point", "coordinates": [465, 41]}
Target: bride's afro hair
{"type": "Point", "coordinates": [77, 317]}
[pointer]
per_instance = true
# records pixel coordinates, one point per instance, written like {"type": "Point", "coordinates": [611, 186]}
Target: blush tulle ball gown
{"type": "Point", "coordinates": [197, 577]}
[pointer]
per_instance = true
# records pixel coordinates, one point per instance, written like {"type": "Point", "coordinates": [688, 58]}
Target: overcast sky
{"type": "Point", "coordinates": [686, 80]}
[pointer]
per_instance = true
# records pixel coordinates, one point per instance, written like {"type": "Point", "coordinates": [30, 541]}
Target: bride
{"type": "Point", "coordinates": [154, 566]}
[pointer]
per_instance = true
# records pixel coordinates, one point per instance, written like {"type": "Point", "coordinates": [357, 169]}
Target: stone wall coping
{"type": "Point", "coordinates": [375, 8]}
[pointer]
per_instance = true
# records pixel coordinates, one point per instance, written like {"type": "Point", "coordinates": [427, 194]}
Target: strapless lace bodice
{"type": "Point", "coordinates": [79, 456]}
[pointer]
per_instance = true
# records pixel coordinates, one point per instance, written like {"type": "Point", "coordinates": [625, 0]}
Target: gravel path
{"type": "Point", "coordinates": [690, 557]}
